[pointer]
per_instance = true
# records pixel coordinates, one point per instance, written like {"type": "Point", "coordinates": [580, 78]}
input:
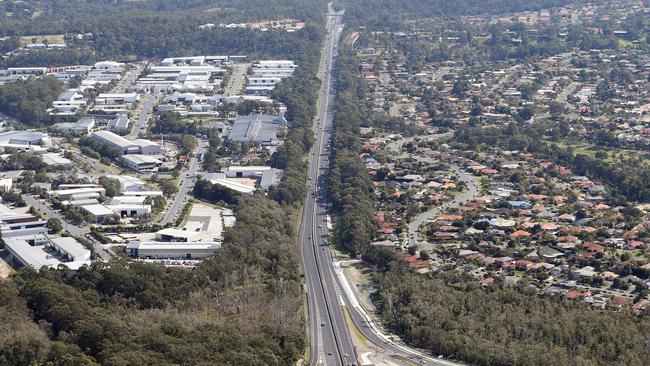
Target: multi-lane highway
{"type": "Point", "coordinates": [331, 343]}
{"type": "Point", "coordinates": [333, 309]}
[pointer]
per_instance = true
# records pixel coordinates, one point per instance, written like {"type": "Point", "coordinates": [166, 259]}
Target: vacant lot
{"type": "Point", "coordinates": [51, 38]}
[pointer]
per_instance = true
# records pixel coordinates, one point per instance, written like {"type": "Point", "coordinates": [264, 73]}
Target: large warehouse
{"type": "Point", "coordinates": [258, 128]}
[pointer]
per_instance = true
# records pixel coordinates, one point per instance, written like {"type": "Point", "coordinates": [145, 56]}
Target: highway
{"type": "Point", "coordinates": [331, 343]}
{"type": "Point", "coordinates": [188, 178]}
{"type": "Point", "coordinates": [332, 306]}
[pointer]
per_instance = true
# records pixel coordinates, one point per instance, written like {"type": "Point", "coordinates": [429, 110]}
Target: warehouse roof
{"type": "Point", "coordinates": [257, 128]}
{"type": "Point", "coordinates": [113, 139]}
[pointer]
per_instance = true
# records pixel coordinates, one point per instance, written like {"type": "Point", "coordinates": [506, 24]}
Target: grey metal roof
{"type": "Point", "coordinates": [257, 128]}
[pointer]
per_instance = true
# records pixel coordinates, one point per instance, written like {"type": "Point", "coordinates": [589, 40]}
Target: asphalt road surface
{"type": "Point", "coordinates": [466, 196]}
{"type": "Point", "coordinates": [328, 299]}
{"type": "Point", "coordinates": [330, 339]}
{"type": "Point", "coordinates": [237, 79]}
{"type": "Point", "coordinates": [74, 230]}
{"type": "Point", "coordinates": [188, 178]}
{"type": "Point", "coordinates": [146, 109]}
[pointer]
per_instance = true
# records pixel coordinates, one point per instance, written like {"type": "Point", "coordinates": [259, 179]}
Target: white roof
{"type": "Point", "coordinates": [75, 191]}
{"type": "Point", "coordinates": [141, 159]}
{"type": "Point", "coordinates": [55, 159]}
{"type": "Point", "coordinates": [71, 246]}
{"type": "Point", "coordinates": [128, 206]}
{"type": "Point", "coordinates": [143, 193]}
{"type": "Point", "coordinates": [113, 138]}
{"type": "Point", "coordinates": [118, 200]}
{"type": "Point", "coordinates": [98, 210]}
{"type": "Point", "coordinates": [32, 256]}
{"type": "Point", "coordinates": [247, 168]}
{"type": "Point", "coordinates": [235, 186]}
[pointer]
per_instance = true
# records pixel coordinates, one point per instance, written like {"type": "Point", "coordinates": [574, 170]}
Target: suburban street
{"type": "Point", "coordinates": [129, 79]}
{"type": "Point", "coordinates": [468, 195]}
{"type": "Point", "coordinates": [188, 178]}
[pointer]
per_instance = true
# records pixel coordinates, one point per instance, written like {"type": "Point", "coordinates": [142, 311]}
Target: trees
{"type": "Point", "coordinates": [526, 113]}
{"type": "Point", "coordinates": [130, 312]}
{"type": "Point", "coordinates": [28, 100]}
{"type": "Point", "coordinates": [349, 183]}
{"type": "Point", "coordinates": [111, 185]}
{"type": "Point", "coordinates": [450, 314]}
{"type": "Point", "coordinates": [54, 225]}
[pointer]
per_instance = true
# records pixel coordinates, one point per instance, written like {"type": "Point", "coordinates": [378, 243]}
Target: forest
{"type": "Point", "coordinates": [127, 29]}
{"type": "Point", "coordinates": [350, 188]}
{"type": "Point", "coordinates": [28, 100]}
{"type": "Point", "coordinates": [451, 314]}
{"type": "Point", "coordinates": [241, 307]}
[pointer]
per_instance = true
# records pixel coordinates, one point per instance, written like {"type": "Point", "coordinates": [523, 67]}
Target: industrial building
{"type": "Point", "coordinates": [200, 237]}
{"type": "Point", "coordinates": [82, 127]}
{"type": "Point", "coordinates": [169, 250]}
{"type": "Point", "coordinates": [116, 142]}
{"type": "Point", "coordinates": [25, 140]}
{"type": "Point", "coordinates": [98, 212]}
{"type": "Point", "coordinates": [68, 103]}
{"type": "Point", "coordinates": [115, 103]}
{"type": "Point", "coordinates": [13, 223]}
{"type": "Point", "coordinates": [38, 251]}
{"type": "Point", "coordinates": [266, 176]}
{"type": "Point", "coordinates": [266, 74]}
{"type": "Point", "coordinates": [130, 209]}
{"type": "Point", "coordinates": [125, 146]}
{"type": "Point", "coordinates": [151, 194]}
{"type": "Point", "coordinates": [258, 128]}
{"type": "Point", "coordinates": [184, 74]}
{"type": "Point", "coordinates": [73, 194]}
{"type": "Point", "coordinates": [120, 122]}
{"type": "Point", "coordinates": [129, 183]}
{"type": "Point", "coordinates": [141, 163]}
{"type": "Point", "coordinates": [56, 161]}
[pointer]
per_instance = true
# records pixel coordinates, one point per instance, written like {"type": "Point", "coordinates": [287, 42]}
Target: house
{"type": "Point", "coordinates": [520, 204]}
{"type": "Point", "coordinates": [593, 247]}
